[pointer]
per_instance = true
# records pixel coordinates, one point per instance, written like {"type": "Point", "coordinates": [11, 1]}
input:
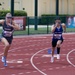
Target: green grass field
{"type": "Point", "coordinates": [32, 31]}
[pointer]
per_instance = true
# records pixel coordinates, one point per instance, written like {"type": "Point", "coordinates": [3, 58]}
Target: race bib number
{"type": "Point", "coordinates": [7, 33]}
{"type": "Point", "coordinates": [57, 36]}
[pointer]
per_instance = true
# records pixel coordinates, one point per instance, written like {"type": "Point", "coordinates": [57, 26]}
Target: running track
{"type": "Point", "coordinates": [28, 56]}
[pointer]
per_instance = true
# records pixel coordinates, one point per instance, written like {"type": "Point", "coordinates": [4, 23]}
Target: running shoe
{"type": "Point", "coordinates": [4, 61]}
{"type": "Point", "coordinates": [52, 59]}
{"type": "Point", "coordinates": [58, 56]}
{"type": "Point", "coordinates": [2, 58]}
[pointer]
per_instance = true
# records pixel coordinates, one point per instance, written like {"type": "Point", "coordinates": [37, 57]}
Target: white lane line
{"type": "Point", "coordinates": [49, 55]}
{"type": "Point", "coordinates": [13, 74]}
{"type": "Point", "coordinates": [50, 68]}
{"type": "Point", "coordinates": [11, 61]}
{"type": "Point", "coordinates": [20, 73]}
{"type": "Point", "coordinates": [68, 58]}
{"type": "Point", "coordinates": [28, 72]}
{"type": "Point", "coordinates": [31, 60]}
{"type": "Point", "coordinates": [16, 49]}
{"type": "Point", "coordinates": [13, 50]}
{"type": "Point", "coordinates": [2, 68]}
{"type": "Point", "coordinates": [57, 67]}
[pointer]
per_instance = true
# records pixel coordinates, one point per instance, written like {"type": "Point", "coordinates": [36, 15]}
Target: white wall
{"type": "Point", "coordinates": [29, 6]}
{"type": "Point", "coordinates": [44, 6]}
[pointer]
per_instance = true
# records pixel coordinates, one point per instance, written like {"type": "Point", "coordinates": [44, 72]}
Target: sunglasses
{"type": "Point", "coordinates": [9, 17]}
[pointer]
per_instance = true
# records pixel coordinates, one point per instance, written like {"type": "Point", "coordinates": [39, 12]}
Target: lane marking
{"type": "Point", "coordinates": [14, 61]}
{"type": "Point", "coordinates": [55, 55]}
{"type": "Point", "coordinates": [31, 60]}
{"type": "Point", "coordinates": [48, 55]}
{"type": "Point", "coordinates": [68, 58]}
{"type": "Point", "coordinates": [28, 72]}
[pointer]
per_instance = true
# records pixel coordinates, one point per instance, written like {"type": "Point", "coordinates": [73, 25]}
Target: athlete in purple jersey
{"type": "Point", "coordinates": [7, 34]}
{"type": "Point", "coordinates": [57, 30]}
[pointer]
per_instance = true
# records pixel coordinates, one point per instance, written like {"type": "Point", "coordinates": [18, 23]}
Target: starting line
{"type": "Point", "coordinates": [47, 55]}
{"type": "Point", "coordinates": [14, 61]}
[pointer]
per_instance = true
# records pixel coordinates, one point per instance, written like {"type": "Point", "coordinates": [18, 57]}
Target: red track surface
{"type": "Point", "coordinates": [27, 57]}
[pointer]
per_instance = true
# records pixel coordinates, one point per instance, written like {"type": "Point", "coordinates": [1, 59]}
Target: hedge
{"type": "Point", "coordinates": [16, 13]}
{"type": "Point", "coordinates": [49, 19]}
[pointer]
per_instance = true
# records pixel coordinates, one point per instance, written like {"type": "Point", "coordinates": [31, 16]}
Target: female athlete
{"type": "Point", "coordinates": [57, 40]}
{"type": "Point", "coordinates": [7, 34]}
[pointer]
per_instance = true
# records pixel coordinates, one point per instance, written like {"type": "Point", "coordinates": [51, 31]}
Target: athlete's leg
{"type": "Point", "coordinates": [58, 48]}
{"type": "Point", "coordinates": [54, 42]}
{"type": "Point", "coordinates": [7, 46]}
{"type": "Point", "coordinates": [53, 49]}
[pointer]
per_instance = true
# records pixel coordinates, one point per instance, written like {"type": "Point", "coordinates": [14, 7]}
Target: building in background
{"type": "Point", "coordinates": [44, 6]}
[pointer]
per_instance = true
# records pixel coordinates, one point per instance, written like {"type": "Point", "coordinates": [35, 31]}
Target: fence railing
{"type": "Point", "coordinates": [43, 26]}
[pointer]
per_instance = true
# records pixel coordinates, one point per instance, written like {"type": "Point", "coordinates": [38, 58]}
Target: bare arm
{"type": "Point", "coordinates": [14, 25]}
{"type": "Point", "coordinates": [53, 28]}
{"type": "Point", "coordinates": [64, 27]}
{"type": "Point", "coordinates": [2, 21]}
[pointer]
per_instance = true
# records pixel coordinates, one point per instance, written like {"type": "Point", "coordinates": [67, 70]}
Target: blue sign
{"type": "Point", "coordinates": [50, 51]}
{"type": "Point", "coordinates": [71, 22]}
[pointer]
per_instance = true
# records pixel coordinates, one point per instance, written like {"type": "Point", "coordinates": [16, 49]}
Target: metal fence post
{"type": "Point", "coordinates": [47, 28]}
{"type": "Point", "coordinates": [12, 7]}
{"type": "Point", "coordinates": [36, 14]}
{"type": "Point", "coordinates": [57, 7]}
{"type": "Point", "coordinates": [28, 24]}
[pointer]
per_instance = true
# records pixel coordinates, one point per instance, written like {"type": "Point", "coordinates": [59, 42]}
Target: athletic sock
{"type": "Point", "coordinates": [58, 50]}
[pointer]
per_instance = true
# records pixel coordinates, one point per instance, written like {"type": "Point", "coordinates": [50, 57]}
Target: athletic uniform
{"type": "Point", "coordinates": [7, 32]}
{"type": "Point", "coordinates": [57, 35]}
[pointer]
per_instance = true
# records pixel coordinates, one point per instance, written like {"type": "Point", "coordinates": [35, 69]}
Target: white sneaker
{"type": "Point", "coordinates": [52, 59]}
{"type": "Point", "coordinates": [3, 59]}
{"type": "Point", "coordinates": [58, 56]}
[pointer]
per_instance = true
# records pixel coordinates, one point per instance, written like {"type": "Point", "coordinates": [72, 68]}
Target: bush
{"type": "Point", "coordinates": [49, 19]}
{"type": "Point", "coordinates": [16, 13]}
{"type": "Point", "coordinates": [20, 13]}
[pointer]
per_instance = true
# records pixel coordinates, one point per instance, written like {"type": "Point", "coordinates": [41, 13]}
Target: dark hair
{"type": "Point", "coordinates": [57, 18]}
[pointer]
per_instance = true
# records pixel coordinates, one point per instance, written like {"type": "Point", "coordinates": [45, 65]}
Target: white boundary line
{"type": "Point", "coordinates": [15, 49]}
{"type": "Point", "coordinates": [68, 58]}
{"type": "Point", "coordinates": [12, 50]}
{"type": "Point", "coordinates": [38, 35]}
{"type": "Point", "coordinates": [31, 60]}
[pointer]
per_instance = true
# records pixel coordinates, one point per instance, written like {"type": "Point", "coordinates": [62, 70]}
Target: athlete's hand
{"type": "Point", "coordinates": [64, 31]}
{"type": "Point", "coordinates": [56, 25]}
{"type": "Point", "coordinates": [9, 24]}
